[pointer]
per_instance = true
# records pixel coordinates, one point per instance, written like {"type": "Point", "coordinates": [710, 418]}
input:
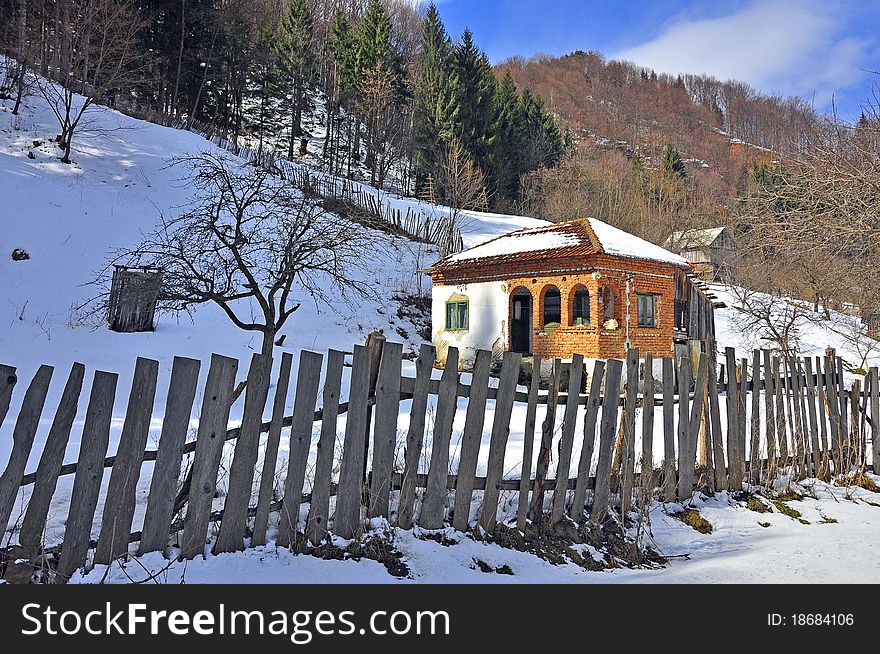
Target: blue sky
{"type": "Point", "coordinates": [819, 50]}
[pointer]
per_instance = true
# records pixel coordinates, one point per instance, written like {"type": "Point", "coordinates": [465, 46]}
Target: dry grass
{"type": "Point", "coordinates": [692, 518]}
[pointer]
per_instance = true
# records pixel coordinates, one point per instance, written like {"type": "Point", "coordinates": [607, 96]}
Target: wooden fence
{"type": "Point", "coordinates": [369, 203]}
{"type": "Point", "coordinates": [794, 413]}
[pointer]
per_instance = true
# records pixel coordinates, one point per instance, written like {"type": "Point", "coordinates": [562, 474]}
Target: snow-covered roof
{"type": "Point", "coordinates": [694, 238]}
{"type": "Point", "coordinates": [574, 238]}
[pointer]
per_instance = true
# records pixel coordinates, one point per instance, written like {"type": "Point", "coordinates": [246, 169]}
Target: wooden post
{"type": "Point", "coordinates": [119, 511]}
{"type": "Point", "coordinates": [628, 453]}
{"type": "Point", "coordinates": [375, 344]}
{"type": "Point", "coordinates": [471, 439]}
{"type": "Point", "coordinates": [719, 464]}
{"type": "Point", "coordinates": [669, 478]}
{"type": "Point", "coordinates": [685, 463]}
{"type": "Point", "coordinates": [510, 367]}
{"type": "Point", "coordinates": [647, 466]}
{"type": "Point", "coordinates": [743, 379]}
{"type": "Point", "coordinates": [319, 507]}
{"type": "Point", "coordinates": [781, 430]}
{"type": "Point", "coordinates": [385, 437]}
{"type": "Point", "coordinates": [431, 516]}
{"type": "Point", "coordinates": [814, 426]}
{"type": "Point", "coordinates": [833, 406]}
{"type": "Point", "coordinates": [875, 419]}
{"type": "Point", "coordinates": [769, 413]}
{"type": "Point", "coordinates": [522, 508]}
{"type": "Point", "coordinates": [844, 415]}
{"type": "Point", "coordinates": [734, 456]}
{"type": "Point", "coordinates": [415, 437]}
{"type": "Point", "coordinates": [586, 458]}
{"type": "Point", "coordinates": [166, 470]}
{"type": "Point", "coordinates": [606, 442]}
{"type": "Point", "coordinates": [697, 410]}
{"type": "Point", "coordinates": [820, 398]}
{"type": "Point", "coordinates": [34, 522]}
{"type": "Point", "coordinates": [89, 472]}
{"type": "Point", "coordinates": [566, 443]}
{"type": "Point", "coordinates": [213, 421]}
{"type": "Point", "coordinates": [270, 455]}
{"type": "Point", "coordinates": [854, 393]}
{"type": "Point", "coordinates": [22, 441]}
{"type": "Point", "coordinates": [7, 384]}
{"type": "Point", "coordinates": [536, 510]}
{"type": "Point", "coordinates": [308, 377]}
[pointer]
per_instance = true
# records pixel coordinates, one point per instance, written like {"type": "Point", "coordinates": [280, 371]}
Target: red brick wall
{"type": "Point", "coordinates": [594, 340]}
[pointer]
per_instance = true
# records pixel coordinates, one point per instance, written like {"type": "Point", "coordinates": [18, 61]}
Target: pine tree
{"type": "Point", "coordinates": [296, 49]}
{"type": "Point", "coordinates": [506, 141]}
{"type": "Point", "coordinates": [671, 164]}
{"type": "Point", "coordinates": [436, 110]}
{"type": "Point", "coordinates": [342, 47]}
{"type": "Point", "coordinates": [476, 88]}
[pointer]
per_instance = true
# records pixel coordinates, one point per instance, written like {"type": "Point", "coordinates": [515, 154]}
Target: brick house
{"type": "Point", "coordinates": [580, 286]}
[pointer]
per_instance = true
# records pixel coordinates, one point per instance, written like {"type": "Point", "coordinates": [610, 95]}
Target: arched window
{"type": "Point", "coordinates": [552, 306]}
{"type": "Point", "coordinates": [580, 306]}
{"type": "Point", "coordinates": [607, 303]}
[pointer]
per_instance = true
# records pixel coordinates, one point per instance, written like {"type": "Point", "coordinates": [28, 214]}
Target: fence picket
{"type": "Point", "coordinates": [7, 385]}
{"type": "Point", "coordinates": [175, 424]}
{"type": "Point", "coordinates": [814, 425]}
{"type": "Point", "coordinates": [769, 412]}
{"type": "Point", "coordinates": [628, 444]}
{"type": "Point", "coordinates": [230, 537]}
{"type": "Point", "coordinates": [669, 479]}
{"type": "Point", "coordinates": [87, 482]}
{"type": "Point", "coordinates": [23, 440]}
{"type": "Point", "coordinates": [308, 377]}
{"type": "Point", "coordinates": [270, 455]}
{"type": "Point", "coordinates": [566, 442]}
{"type": "Point", "coordinates": [607, 432]}
{"type": "Point", "coordinates": [647, 464]}
{"type": "Point", "coordinates": [319, 506]}
{"type": "Point", "coordinates": [695, 420]}
{"type": "Point", "coordinates": [348, 498]}
{"type": "Point", "coordinates": [213, 421]}
{"type": "Point", "coordinates": [415, 437]}
{"type": "Point", "coordinates": [719, 465]}
{"type": "Point", "coordinates": [522, 507]}
{"type": "Point", "coordinates": [431, 516]}
{"type": "Point", "coordinates": [685, 463]}
{"type": "Point", "coordinates": [30, 536]}
{"type": "Point", "coordinates": [385, 437]}
{"type": "Point", "coordinates": [875, 419]}
{"type": "Point", "coordinates": [586, 459]}
{"type": "Point", "coordinates": [536, 509]}
{"type": "Point", "coordinates": [122, 487]}
{"type": "Point", "coordinates": [755, 442]}
{"type": "Point", "coordinates": [781, 425]}
{"type": "Point", "coordinates": [820, 400]}
{"type": "Point", "coordinates": [734, 456]}
{"type": "Point", "coordinates": [510, 366]}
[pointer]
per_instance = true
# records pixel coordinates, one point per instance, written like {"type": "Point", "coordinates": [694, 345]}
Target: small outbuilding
{"type": "Point", "coordinates": [576, 287]}
{"type": "Point", "coordinates": [712, 252]}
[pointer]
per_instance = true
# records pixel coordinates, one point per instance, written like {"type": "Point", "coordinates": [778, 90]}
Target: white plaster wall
{"type": "Point", "coordinates": [487, 320]}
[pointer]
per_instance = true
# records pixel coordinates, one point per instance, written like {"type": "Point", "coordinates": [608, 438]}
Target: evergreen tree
{"type": "Point", "coordinates": [436, 110]}
{"type": "Point", "coordinates": [506, 142]}
{"type": "Point", "coordinates": [476, 86]}
{"type": "Point", "coordinates": [296, 49]}
{"type": "Point", "coordinates": [671, 164]}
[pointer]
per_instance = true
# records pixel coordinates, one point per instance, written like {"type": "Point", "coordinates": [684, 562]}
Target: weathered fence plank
{"type": "Point", "coordinates": [820, 399]}
{"type": "Point", "coordinates": [475, 419]}
{"type": "Point", "coordinates": [34, 522]}
{"type": "Point", "coordinates": [769, 413]}
{"type": "Point", "coordinates": [695, 421]}
{"type": "Point", "coordinates": [781, 430]}
{"type": "Point", "coordinates": [814, 424]}
{"type": "Point", "coordinates": [607, 432]}
{"type": "Point", "coordinates": [319, 505]}
{"type": "Point", "coordinates": [875, 419]}
{"type": "Point", "coordinates": [122, 487]}
{"type": "Point", "coordinates": [230, 537]}
{"type": "Point", "coordinates": [586, 459]}
{"type": "Point", "coordinates": [166, 470]}
{"type": "Point", "coordinates": [434, 503]}
{"type": "Point", "coordinates": [87, 482]}
{"type": "Point", "coordinates": [734, 456]}
{"type": "Point", "coordinates": [522, 508]}
{"type": "Point", "coordinates": [22, 441]}
{"type": "Point", "coordinates": [628, 444]}
{"type": "Point", "coordinates": [669, 479]}
{"type": "Point", "coordinates": [685, 463]}
{"type": "Point", "coordinates": [347, 519]}
{"type": "Point", "coordinates": [498, 441]}
{"type": "Point", "coordinates": [308, 377]}
{"type": "Point", "coordinates": [270, 455]}
{"type": "Point", "coordinates": [536, 508]}
{"type": "Point", "coordinates": [755, 423]}
{"type": "Point", "coordinates": [7, 385]}
{"type": "Point", "coordinates": [415, 437]}
{"type": "Point", "coordinates": [385, 437]}
{"type": "Point", "coordinates": [647, 465]}
{"type": "Point", "coordinates": [213, 420]}
{"type": "Point", "coordinates": [566, 443]}
{"type": "Point", "coordinates": [719, 465]}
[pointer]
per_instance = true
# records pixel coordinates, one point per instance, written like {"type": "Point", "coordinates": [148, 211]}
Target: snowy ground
{"type": "Point", "coordinates": [69, 218]}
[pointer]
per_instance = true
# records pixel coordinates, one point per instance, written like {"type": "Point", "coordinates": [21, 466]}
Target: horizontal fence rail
{"type": "Point", "coordinates": [766, 413]}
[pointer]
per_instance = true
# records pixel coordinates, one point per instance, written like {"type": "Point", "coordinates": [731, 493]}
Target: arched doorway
{"type": "Point", "coordinates": [521, 321]}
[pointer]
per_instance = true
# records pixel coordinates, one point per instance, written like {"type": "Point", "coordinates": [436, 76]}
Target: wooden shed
{"type": "Point", "coordinates": [711, 252]}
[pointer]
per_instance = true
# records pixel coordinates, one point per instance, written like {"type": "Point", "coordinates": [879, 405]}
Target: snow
{"type": "Point", "coordinates": [616, 241]}
{"type": "Point", "coordinates": [542, 239]}
{"type": "Point", "coordinates": [69, 218]}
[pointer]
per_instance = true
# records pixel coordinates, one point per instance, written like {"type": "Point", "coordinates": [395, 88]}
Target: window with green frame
{"type": "Point", "coordinates": [457, 315]}
{"type": "Point", "coordinates": [647, 307]}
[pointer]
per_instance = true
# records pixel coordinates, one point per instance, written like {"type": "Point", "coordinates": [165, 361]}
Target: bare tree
{"type": "Point", "coordinates": [253, 245]}
{"type": "Point", "coordinates": [99, 55]}
{"type": "Point", "coordinates": [463, 184]}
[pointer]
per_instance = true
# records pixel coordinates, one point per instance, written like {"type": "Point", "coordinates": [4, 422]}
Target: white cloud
{"type": "Point", "coordinates": [795, 47]}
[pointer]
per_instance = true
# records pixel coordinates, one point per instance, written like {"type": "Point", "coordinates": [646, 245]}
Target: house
{"type": "Point", "coordinates": [576, 287]}
{"type": "Point", "coordinates": [711, 251]}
